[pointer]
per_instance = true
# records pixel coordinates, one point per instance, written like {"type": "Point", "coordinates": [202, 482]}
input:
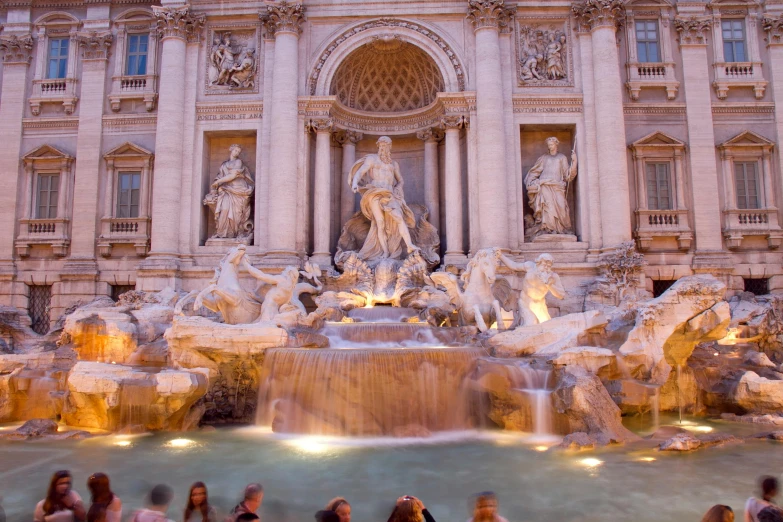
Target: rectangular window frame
{"type": "Point", "coordinates": [734, 45]}
{"type": "Point", "coordinates": [134, 56]}
{"type": "Point", "coordinates": [57, 59]}
{"type": "Point", "coordinates": [125, 205]}
{"type": "Point", "coordinates": [662, 171]}
{"type": "Point", "coordinates": [45, 209]}
{"type": "Point", "coordinates": [644, 44]}
{"type": "Point", "coordinates": [743, 186]}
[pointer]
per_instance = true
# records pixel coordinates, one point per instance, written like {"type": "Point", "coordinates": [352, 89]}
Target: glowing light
{"type": "Point", "coordinates": [591, 462]}
{"type": "Point", "coordinates": [700, 428]}
{"type": "Point", "coordinates": [647, 459]}
{"type": "Point", "coordinates": [731, 337]}
{"type": "Point", "coordinates": [541, 448]}
{"type": "Point", "coordinates": [180, 443]}
{"type": "Point", "coordinates": [123, 443]}
{"type": "Point", "coordinates": [310, 445]}
{"type": "Point", "coordinates": [716, 354]}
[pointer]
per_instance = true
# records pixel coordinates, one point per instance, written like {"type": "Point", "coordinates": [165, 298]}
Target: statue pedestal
{"type": "Point", "coordinates": [555, 238]}
{"type": "Point", "coordinates": [227, 242]}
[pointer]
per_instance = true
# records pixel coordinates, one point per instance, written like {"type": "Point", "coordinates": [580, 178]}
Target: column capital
{"type": "Point", "coordinates": [284, 17]}
{"type": "Point", "coordinates": [17, 49]}
{"type": "Point", "coordinates": [179, 22]}
{"type": "Point", "coordinates": [489, 14]}
{"type": "Point", "coordinates": [773, 26]}
{"type": "Point", "coordinates": [319, 125]}
{"type": "Point", "coordinates": [692, 29]}
{"type": "Point", "coordinates": [431, 134]}
{"type": "Point", "coordinates": [592, 14]}
{"type": "Point", "coordinates": [453, 122]}
{"type": "Point", "coordinates": [345, 136]}
{"type": "Point", "coordinates": [95, 44]}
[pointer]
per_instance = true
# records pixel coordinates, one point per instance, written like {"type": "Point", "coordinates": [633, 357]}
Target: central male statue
{"type": "Point", "coordinates": [383, 204]}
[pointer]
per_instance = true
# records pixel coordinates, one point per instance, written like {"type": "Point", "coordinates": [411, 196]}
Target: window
{"type": "Point", "coordinates": [647, 41]}
{"type": "Point", "coordinates": [137, 54]}
{"type": "Point", "coordinates": [47, 195]}
{"type": "Point", "coordinates": [128, 194]}
{"type": "Point", "coordinates": [733, 40]}
{"type": "Point", "coordinates": [756, 285]}
{"type": "Point", "coordinates": [58, 58]}
{"type": "Point", "coordinates": [38, 307]}
{"type": "Point", "coordinates": [658, 187]}
{"type": "Point", "coordinates": [747, 184]}
{"type": "Point", "coordinates": [661, 285]}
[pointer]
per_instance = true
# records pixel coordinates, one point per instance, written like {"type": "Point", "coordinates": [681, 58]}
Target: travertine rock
{"type": "Point", "coordinates": [590, 358]}
{"type": "Point", "coordinates": [681, 442]}
{"type": "Point", "coordinates": [755, 358]}
{"type": "Point", "coordinates": [103, 335]}
{"type": "Point", "coordinates": [577, 441]}
{"type": "Point", "coordinates": [758, 394]}
{"type": "Point", "coordinates": [549, 337]}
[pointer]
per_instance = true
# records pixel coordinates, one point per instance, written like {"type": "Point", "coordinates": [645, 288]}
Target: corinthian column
{"type": "Point", "coordinates": [601, 17]}
{"type": "Point", "coordinates": [348, 140]}
{"type": "Point", "coordinates": [701, 135]}
{"type": "Point", "coordinates": [17, 51]}
{"type": "Point", "coordinates": [431, 137]}
{"type": "Point", "coordinates": [283, 20]}
{"type": "Point", "coordinates": [455, 253]}
{"type": "Point", "coordinates": [175, 26]}
{"type": "Point", "coordinates": [488, 16]}
{"type": "Point", "coordinates": [323, 191]}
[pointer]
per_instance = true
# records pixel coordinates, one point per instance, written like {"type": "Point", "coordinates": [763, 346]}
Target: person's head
{"type": "Point", "coordinates": [485, 507]}
{"type": "Point", "coordinates": [98, 484]}
{"type": "Point", "coordinates": [59, 486]}
{"type": "Point", "coordinates": [384, 144]}
{"type": "Point", "coordinates": [552, 144]}
{"type": "Point", "coordinates": [254, 496]}
{"type": "Point", "coordinates": [544, 262]}
{"type": "Point", "coordinates": [769, 488]}
{"type": "Point", "coordinates": [718, 513]}
{"type": "Point", "coordinates": [407, 511]}
{"type": "Point", "coordinates": [198, 501]}
{"type": "Point", "coordinates": [770, 514]}
{"type": "Point", "coordinates": [161, 496]}
{"type": "Point", "coordinates": [247, 517]}
{"type": "Point", "coordinates": [327, 516]}
{"type": "Point", "coordinates": [340, 506]}
{"type": "Point", "coordinates": [235, 150]}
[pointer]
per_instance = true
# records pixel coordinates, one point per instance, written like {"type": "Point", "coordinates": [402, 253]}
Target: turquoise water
{"type": "Point", "coordinates": [301, 474]}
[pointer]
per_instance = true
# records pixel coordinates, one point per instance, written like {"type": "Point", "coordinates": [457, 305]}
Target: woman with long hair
{"type": "Point", "coordinates": [719, 513]}
{"type": "Point", "coordinates": [410, 509]}
{"type": "Point", "coordinates": [340, 506]}
{"type": "Point", "coordinates": [485, 509]}
{"type": "Point", "coordinates": [62, 504]}
{"type": "Point", "coordinates": [198, 508]}
{"type": "Point", "coordinates": [105, 505]}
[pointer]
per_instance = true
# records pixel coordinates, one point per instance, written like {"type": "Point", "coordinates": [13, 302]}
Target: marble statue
{"type": "Point", "coordinates": [231, 65]}
{"type": "Point", "coordinates": [476, 302]}
{"type": "Point", "coordinates": [529, 69]}
{"type": "Point", "coordinates": [555, 69]}
{"type": "Point", "coordinates": [538, 281]}
{"type": "Point", "coordinates": [383, 203]}
{"type": "Point", "coordinates": [230, 197]}
{"type": "Point", "coordinates": [542, 54]}
{"type": "Point", "coordinates": [547, 185]}
{"type": "Point", "coordinates": [224, 294]}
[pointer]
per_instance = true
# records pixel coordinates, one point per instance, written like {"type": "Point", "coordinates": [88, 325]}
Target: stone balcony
{"type": "Point", "coordinates": [651, 75]}
{"type": "Point", "coordinates": [133, 88]}
{"type": "Point", "coordinates": [741, 223]}
{"type": "Point", "coordinates": [52, 232]}
{"type": "Point", "coordinates": [661, 224]}
{"type": "Point", "coordinates": [124, 231]}
{"type": "Point", "coordinates": [739, 74]}
{"type": "Point", "coordinates": [60, 90]}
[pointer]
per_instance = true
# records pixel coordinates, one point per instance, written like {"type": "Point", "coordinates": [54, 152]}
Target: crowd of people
{"type": "Point", "coordinates": [63, 504]}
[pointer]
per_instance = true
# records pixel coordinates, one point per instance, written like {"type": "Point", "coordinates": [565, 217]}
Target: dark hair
{"type": "Point", "coordinates": [102, 496]}
{"type": "Point", "coordinates": [53, 503]}
{"type": "Point", "coordinates": [253, 490]}
{"type": "Point", "coordinates": [718, 513]}
{"type": "Point", "coordinates": [247, 517]}
{"type": "Point", "coordinates": [161, 495]}
{"type": "Point", "coordinates": [204, 507]}
{"type": "Point", "coordinates": [327, 516]}
{"type": "Point", "coordinates": [770, 514]}
{"type": "Point", "coordinates": [336, 503]}
{"type": "Point", "coordinates": [769, 486]}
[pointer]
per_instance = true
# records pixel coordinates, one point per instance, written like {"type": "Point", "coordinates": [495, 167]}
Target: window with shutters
{"type": "Point", "coordinates": [647, 41]}
{"type": "Point", "coordinates": [734, 46]}
{"type": "Point", "coordinates": [128, 194]}
{"type": "Point", "coordinates": [47, 196]}
{"type": "Point", "coordinates": [658, 187]}
{"type": "Point", "coordinates": [747, 184]}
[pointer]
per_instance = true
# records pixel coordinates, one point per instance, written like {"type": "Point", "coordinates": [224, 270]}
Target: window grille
{"type": "Point", "coordinates": [661, 285]}
{"type": "Point", "coordinates": [118, 290]}
{"type": "Point", "coordinates": [756, 285]}
{"type": "Point", "coordinates": [39, 305]}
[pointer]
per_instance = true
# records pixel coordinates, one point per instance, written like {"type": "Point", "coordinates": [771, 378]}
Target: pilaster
{"type": "Point", "coordinates": [455, 250]}
{"type": "Point", "coordinates": [431, 137]}
{"type": "Point", "coordinates": [348, 140]}
{"type": "Point", "coordinates": [322, 193]}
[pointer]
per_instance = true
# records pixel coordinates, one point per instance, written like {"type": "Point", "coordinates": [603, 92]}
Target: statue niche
{"type": "Point", "coordinates": [548, 183]}
{"type": "Point", "coordinates": [230, 198]}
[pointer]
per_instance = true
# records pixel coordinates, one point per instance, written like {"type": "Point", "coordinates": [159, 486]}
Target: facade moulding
{"type": "Point", "coordinates": [71, 124]}
{"type": "Point", "coordinates": [744, 108]}
{"type": "Point", "coordinates": [654, 108]}
{"type": "Point", "coordinates": [554, 103]}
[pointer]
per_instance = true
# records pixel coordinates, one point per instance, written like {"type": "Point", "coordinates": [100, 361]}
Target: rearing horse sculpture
{"type": "Point", "coordinates": [476, 303]}
{"type": "Point", "coordinates": [224, 294]}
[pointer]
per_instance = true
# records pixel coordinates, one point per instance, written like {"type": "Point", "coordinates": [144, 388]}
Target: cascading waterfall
{"type": "Point", "coordinates": [537, 385]}
{"type": "Point", "coordinates": [38, 389]}
{"type": "Point", "coordinates": [136, 398]}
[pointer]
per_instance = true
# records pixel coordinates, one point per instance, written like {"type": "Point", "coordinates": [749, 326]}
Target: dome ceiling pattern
{"type": "Point", "coordinates": [387, 75]}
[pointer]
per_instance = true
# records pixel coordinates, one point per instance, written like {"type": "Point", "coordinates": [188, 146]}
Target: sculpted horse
{"type": "Point", "coordinates": [224, 294]}
{"type": "Point", "coordinates": [477, 303]}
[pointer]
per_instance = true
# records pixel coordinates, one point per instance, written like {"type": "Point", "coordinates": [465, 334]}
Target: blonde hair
{"type": "Point", "coordinates": [407, 511]}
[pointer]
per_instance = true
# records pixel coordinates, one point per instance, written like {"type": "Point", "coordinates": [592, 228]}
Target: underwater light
{"type": "Point", "coordinates": [123, 443]}
{"type": "Point", "coordinates": [591, 462]}
{"type": "Point", "coordinates": [309, 445]}
{"type": "Point", "coordinates": [647, 459]}
{"type": "Point", "coordinates": [180, 443]}
{"type": "Point", "coordinates": [541, 448]}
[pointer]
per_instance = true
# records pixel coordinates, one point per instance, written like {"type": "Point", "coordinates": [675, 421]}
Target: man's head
{"type": "Point", "coordinates": [254, 495]}
{"type": "Point", "coordinates": [384, 144]}
{"type": "Point", "coordinates": [544, 262]}
{"type": "Point", "coordinates": [161, 496]}
{"type": "Point", "coordinates": [552, 144]}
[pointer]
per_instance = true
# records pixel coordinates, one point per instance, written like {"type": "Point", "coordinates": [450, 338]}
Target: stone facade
{"type": "Point", "coordinates": [116, 118]}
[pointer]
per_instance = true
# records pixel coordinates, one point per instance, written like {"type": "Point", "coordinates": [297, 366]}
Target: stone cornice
{"type": "Point", "coordinates": [17, 49]}
{"type": "Point", "coordinates": [773, 26]}
{"type": "Point", "coordinates": [284, 17]}
{"type": "Point", "coordinates": [490, 14]}
{"type": "Point", "coordinates": [42, 124]}
{"type": "Point", "coordinates": [95, 44]}
{"type": "Point", "coordinates": [592, 14]}
{"type": "Point", "coordinates": [692, 29]}
{"type": "Point", "coordinates": [179, 22]}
